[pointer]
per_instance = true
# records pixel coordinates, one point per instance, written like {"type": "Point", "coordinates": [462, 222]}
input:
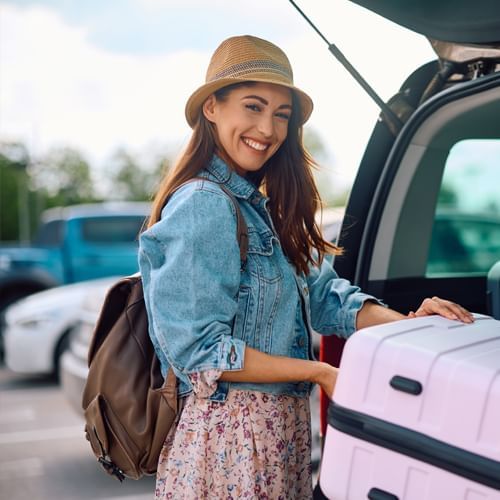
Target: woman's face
{"type": "Point", "coordinates": [251, 123]}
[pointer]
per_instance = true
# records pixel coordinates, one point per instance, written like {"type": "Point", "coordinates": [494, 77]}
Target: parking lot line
{"type": "Point", "coordinates": [42, 435]}
{"type": "Point", "coordinates": [25, 467]}
{"type": "Point", "coordinates": [18, 415]}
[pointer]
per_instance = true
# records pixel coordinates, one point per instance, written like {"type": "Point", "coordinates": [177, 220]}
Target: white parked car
{"type": "Point", "coordinates": [37, 328]}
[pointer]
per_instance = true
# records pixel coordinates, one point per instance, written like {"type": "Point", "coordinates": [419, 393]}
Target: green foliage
{"type": "Point", "coordinates": [60, 178]}
{"type": "Point", "coordinates": [13, 190]}
{"type": "Point", "coordinates": [131, 180]}
{"type": "Point", "coordinates": [64, 176]}
{"type": "Point", "coordinates": [448, 196]}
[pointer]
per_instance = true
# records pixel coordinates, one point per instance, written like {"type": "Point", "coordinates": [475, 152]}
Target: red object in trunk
{"type": "Point", "coordinates": [330, 351]}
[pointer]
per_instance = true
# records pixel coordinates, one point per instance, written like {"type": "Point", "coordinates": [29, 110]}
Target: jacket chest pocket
{"type": "Point", "coordinates": [262, 260]}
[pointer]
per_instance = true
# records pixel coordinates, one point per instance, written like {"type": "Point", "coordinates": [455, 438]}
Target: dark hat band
{"type": "Point", "coordinates": [247, 67]}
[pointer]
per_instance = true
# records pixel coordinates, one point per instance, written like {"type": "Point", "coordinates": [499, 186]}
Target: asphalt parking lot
{"type": "Point", "coordinates": [43, 451]}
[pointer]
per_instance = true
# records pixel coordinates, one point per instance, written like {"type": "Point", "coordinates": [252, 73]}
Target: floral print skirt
{"type": "Point", "coordinates": [253, 446]}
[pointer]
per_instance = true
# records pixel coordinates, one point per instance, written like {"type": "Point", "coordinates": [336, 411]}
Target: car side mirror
{"type": "Point", "coordinates": [493, 291]}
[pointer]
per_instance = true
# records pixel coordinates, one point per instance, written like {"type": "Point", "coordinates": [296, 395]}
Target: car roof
{"type": "Point", "coordinates": [105, 209]}
{"type": "Point", "coordinates": [460, 21]}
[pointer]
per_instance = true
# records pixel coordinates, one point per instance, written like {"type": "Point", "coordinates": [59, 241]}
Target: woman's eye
{"type": "Point", "coordinates": [284, 116]}
{"type": "Point", "coordinates": [253, 107]}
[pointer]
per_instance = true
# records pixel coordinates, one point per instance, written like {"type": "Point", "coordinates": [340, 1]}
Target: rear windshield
{"type": "Point", "coordinates": [121, 229]}
{"type": "Point", "coordinates": [50, 234]}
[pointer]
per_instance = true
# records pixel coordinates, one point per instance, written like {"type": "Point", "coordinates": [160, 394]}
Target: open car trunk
{"type": "Point", "coordinates": [396, 206]}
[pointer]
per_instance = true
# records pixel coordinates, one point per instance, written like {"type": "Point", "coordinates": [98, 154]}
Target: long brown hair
{"type": "Point", "coordinates": [286, 178]}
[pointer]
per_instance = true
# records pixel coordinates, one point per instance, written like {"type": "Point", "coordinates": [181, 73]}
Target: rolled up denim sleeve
{"type": "Point", "coordinates": [334, 301]}
{"type": "Point", "coordinates": [190, 263]}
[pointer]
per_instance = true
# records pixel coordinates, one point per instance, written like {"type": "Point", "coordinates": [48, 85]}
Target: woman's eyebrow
{"type": "Point", "coordinates": [265, 102]}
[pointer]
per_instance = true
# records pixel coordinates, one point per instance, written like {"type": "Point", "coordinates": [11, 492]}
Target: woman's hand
{"type": "Point", "coordinates": [444, 308]}
{"type": "Point", "coordinates": [326, 377]}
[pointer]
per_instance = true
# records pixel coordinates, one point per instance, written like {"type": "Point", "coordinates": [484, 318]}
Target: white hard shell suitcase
{"type": "Point", "coordinates": [416, 413]}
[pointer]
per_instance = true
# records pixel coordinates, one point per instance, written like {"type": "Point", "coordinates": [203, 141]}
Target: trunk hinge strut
{"type": "Point", "coordinates": [393, 121]}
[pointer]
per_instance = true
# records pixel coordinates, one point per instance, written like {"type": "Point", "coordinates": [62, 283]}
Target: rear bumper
{"type": "Point", "coordinates": [73, 377]}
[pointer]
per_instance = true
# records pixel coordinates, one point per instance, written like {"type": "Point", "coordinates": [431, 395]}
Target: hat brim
{"type": "Point", "coordinates": [195, 102]}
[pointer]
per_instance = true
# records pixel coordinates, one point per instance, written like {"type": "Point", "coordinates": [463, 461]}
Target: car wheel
{"type": "Point", "coordinates": [62, 347]}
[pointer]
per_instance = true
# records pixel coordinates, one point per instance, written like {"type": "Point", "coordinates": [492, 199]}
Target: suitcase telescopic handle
{"type": "Point", "coordinates": [405, 384]}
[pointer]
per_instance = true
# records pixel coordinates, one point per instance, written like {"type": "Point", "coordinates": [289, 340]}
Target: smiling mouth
{"type": "Point", "coordinates": [258, 146]}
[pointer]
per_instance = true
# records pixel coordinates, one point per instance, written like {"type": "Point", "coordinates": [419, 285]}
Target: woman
{"type": "Point", "coordinates": [238, 335]}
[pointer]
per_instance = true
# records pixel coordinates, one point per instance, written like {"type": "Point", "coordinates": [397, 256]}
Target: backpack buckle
{"type": "Point", "coordinates": [111, 468]}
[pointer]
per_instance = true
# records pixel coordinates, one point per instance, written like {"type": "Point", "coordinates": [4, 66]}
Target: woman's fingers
{"type": "Point", "coordinates": [445, 308]}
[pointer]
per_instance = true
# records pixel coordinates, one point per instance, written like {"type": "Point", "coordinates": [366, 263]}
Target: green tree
{"type": "Point", "coordinates": [448, 196]}
{"type": "Point", "coordinates": [64, 176]}
{"type": "Point", "coordinates": [133, 181]}
{"type": "Point", "coordinates": [15, 196]}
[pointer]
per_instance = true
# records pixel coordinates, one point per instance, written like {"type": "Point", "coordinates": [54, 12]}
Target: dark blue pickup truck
{"type": "Point", "coordinates": [75, 243]}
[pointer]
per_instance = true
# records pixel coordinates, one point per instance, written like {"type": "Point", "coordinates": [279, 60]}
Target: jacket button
{"type": "Point", "coordinates": [301, 342]}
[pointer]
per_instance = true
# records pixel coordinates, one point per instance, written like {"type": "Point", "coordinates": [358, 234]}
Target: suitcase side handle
{"type": "Point", "coordinates": [377, 494]}
{"type": "Point", "coordinates": [405, 384]}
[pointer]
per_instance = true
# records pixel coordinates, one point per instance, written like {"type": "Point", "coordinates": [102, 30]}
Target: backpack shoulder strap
{"type": "Point", "coordinates": [241, 225]}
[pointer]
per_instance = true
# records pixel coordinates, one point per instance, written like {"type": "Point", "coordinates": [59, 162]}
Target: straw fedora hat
{"type": "Point", "coordinates": [242, 59]}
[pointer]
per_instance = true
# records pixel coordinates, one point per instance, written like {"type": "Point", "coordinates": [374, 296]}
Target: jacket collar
{"type": "Point", "coordinates": [238, 185]}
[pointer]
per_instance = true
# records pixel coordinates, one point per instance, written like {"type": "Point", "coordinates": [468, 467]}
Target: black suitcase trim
{"type": "Point", "coordinates": [416, 445]}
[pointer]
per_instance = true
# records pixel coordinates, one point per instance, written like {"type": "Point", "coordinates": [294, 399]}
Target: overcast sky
{"type": "Point", "coordinates": [99, 74]}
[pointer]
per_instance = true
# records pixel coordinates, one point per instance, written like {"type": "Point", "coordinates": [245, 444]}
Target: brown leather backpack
{"type": "Point", "coordinates": [129, 408]}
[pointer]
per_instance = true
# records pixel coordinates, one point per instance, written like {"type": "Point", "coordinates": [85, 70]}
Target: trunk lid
{"type": "Point", "coordinates": [459, 21]}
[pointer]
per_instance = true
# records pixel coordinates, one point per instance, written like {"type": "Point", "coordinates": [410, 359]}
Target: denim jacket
{"type": "Point", "coordinates": [204, 308]}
